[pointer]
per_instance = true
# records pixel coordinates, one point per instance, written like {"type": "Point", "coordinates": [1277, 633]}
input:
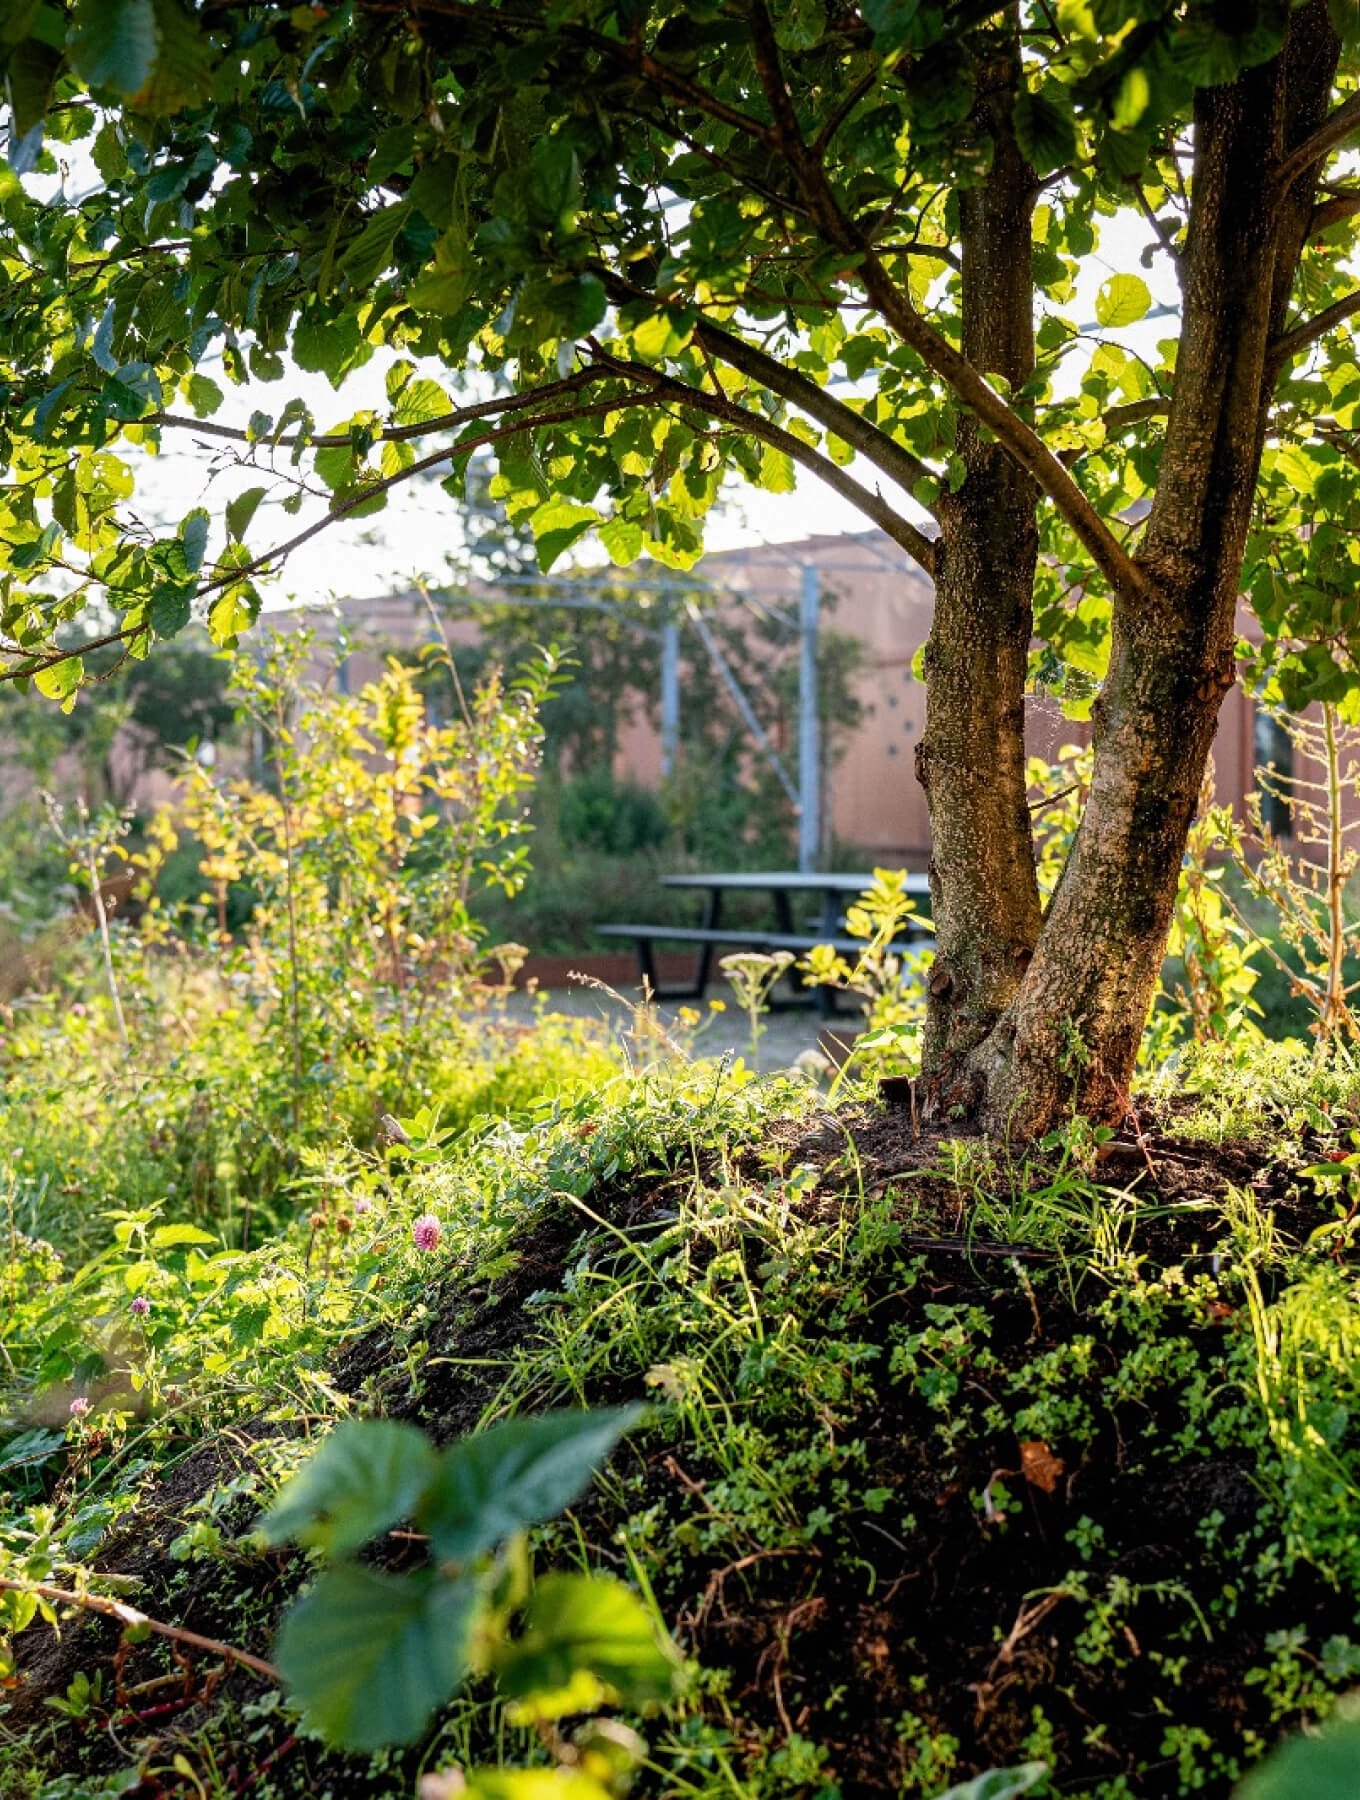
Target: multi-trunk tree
{"type": "Point", "coordinates": [663, 243]}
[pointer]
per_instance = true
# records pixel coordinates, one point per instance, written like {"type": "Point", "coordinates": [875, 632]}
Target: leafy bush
{"type": "Point", "coordinates": [618, 818]}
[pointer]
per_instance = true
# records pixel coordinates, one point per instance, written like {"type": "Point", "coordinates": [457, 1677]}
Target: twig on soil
{"type": "Point", "coordinates": [131, 1616]}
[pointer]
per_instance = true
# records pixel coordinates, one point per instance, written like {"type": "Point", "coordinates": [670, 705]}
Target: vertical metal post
{"type": "Point", "coordinates": [670, 696]}
{"type": "Point", "coordinates": [809, 745]}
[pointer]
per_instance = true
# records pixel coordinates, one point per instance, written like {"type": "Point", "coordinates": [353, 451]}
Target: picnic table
{"type": "Point", "coordinates": [833, 892]}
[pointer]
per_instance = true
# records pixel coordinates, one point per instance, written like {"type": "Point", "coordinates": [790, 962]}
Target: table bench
{"type": "Point", "coordinates": [779, 885]}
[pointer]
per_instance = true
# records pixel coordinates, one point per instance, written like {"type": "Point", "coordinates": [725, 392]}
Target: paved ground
{"type": "Point", "coordinates": [785, 1035]}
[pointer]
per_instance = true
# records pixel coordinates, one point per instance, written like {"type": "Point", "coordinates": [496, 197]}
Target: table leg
{"type": "Point", "coordinates": [704, 969]}
{"type": "Point", "coordinates": [647, 967]}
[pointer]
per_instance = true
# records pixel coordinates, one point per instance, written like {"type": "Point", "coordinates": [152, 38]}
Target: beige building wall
{"type": "Point", "coordinates": [874, 803]}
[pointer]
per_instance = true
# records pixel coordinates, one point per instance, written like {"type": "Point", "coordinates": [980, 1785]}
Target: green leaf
{"type": "Point", "coordinates": [170, 609]}
{"type": "Point", "coordinates": [193, 535]}
{"type": "Point", "coordinates": [368, 1476]}
{"type": "Point", "coordinates": [1324, 1767]}
{"type": "Point", "coordinates": [1044, 128]}
{"type": "Point", "coordinates": [999, 1784]}
{"type": "Point", "coordinates": [371, 251]}
{"type": "Point", "coordinates": [369, 1656]}
{"type": "Point", "coordinates": [114, 43]}
{"type": "Point", "coordinates": [241, 510]}
{"type": "Point", "coordinates": [32, 74]}
{"type": "Point", "coordinates": [588, 1641]}
{"type": "Point", "coordinates": [165, 1237]}
{"type": "Point", "coordinates": [203, 395]}
{"type": "Point", "coordinates": [516, 1474]}
{"type": "Point", "coordinates": [622, 538]}
{"type": "Point", "coordinates": [777, 474]}
{"type": "Point", "coordinates": [1122, 300]}
{"type": "Point", "coordinates": [420, 401]}
{"type": "Point", "coordinates": [556, 526]}
{"type": "Point", "coordinates": [60, 680]}
{"type": "Point", "coordinates": [532, 1784]}
{"type": "Point", "coordinates": [183, 62]}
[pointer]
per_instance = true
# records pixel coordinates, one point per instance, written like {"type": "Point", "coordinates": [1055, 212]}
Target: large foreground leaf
{"type": "Point", "coordinates": [369, 1656]}
{"type": "Point", "coordinates": [517, 1474]}
{"type": "Point", "coordinates": [588, 1641]}
{"type": "Point", "coordinates": [368, 1476]}
{"type": "Point", "coordinates": [1325, 1767]}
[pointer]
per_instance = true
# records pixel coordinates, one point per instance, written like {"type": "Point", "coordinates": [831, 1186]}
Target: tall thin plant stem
{"type": "Point", "coordinates": [286, 810]}
{"type": "Point", "coordinates": [106, 946]}
{"type": "Point", "coordinates": [1334, 1005]}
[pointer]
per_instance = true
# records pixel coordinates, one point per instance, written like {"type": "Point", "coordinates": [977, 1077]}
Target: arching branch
{"type": "Point", "coordinates": [717, 406]}
{"type": "Point", "coordinates": [895, 306]}
{"type": "Point", "coordinates": [397, 434]}
{"type": "Point", "coordinates": [1333, 132]}
{"type": "Point", "coordinates": [1289, 344]}
{"type": "Point", "coordinates": [870, 440]}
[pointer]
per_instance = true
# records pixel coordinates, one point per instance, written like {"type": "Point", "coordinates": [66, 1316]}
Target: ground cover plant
{"type": "Point", "coordinates": [951, 1460]}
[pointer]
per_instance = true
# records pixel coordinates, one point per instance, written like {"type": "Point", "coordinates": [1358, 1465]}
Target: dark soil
{"type": "Point", "coordinates": [963, 1625]}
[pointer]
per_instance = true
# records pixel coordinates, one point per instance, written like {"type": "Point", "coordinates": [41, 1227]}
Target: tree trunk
{"type": "Point", "coordinates": [1071, 1037]}
{"type": "Point", "coordinates": [971, 757]}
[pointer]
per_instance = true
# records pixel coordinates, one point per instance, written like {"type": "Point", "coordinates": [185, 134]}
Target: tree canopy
{"type": "Point", "coordinates": [660, 244]}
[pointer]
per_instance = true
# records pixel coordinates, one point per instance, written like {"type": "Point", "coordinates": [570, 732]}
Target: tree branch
{"type": "Point", "coordinates": [37, 661]}
{"type": "Point", "coordinates": [131, 1616]}
{"type": "Point", "coordinates": [1299, 337]}
{"type": "Point", "coordinates": [1332, 132]}
{"type": "Point", "coordinates": [422, 465]}
{"type": "Point", "coordinates": [1015, 434]}
{"type": "Point", "coordinates": [1118, 417]}
{"type": "Point", "coordinates": [464, 415]}
{"type": "Point", "coordinates": [1340, 204]}
{"type": "Point", "coordinates": [870, 440]}
{"type": "Point", "coordinates": [717, 406]}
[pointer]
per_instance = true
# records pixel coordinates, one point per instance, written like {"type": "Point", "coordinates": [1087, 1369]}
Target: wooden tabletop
{"type": "Point", "coordinates": [791, 880]}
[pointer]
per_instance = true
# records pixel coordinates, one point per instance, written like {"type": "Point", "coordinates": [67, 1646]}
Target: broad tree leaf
{"type": "Point", "coordinates": [1122, 300]}
{"type": "Point", "coordinates": [1044, 128]}
{"type": "Point", "coordinates": [532, 1784]}
{"type": "Point", "coordinates": [60, 681]}
{"type": "Point", "coordinates": [32, 74]}
{"type": "Point", "coordinates": [999, 1784]}
{"type": "Point", "coordinates": [241, 510]}
{"type": "Point", "coordinates": [1321, 1767]}
{"type": "Point", "coordinates": [516, 1474]}
{"type": "Point", "coordinates": [588, 1641]}
{"type": "Point", "coordinates": [368, 1656]}
{"type": "Point", "coordinates": [368, 1476]}
{"type": "Point", "coordinates": [194, 536]}
{"type": "Point", "coordinates": [556, 527]}
{"type": "Point", "coordinates": [115, 43]}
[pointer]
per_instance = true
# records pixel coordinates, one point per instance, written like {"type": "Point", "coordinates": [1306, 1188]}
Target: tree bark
{"type": "Point", "coordinates": [1071, 1037]}
{"type": "Point", "coordinates": [971, 757]}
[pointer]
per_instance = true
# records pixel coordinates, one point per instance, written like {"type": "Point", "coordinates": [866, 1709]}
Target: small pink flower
{"type": "Point", "coordinates": [362, 1205]}
{"type": "Point", "coordinates": [426, 1232]}
{"type": "Point", "coordinates": [79, 1407]}
{"type": "Point", "coordinates": [139, 1306]}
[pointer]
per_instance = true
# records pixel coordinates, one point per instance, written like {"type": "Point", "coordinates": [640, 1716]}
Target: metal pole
{"type": "Point", "coordinates": [742, 704]}
{"type": "Point", "coordinates": [670, 696]}
{"type": "Point", "coordinates": [809, 745]}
